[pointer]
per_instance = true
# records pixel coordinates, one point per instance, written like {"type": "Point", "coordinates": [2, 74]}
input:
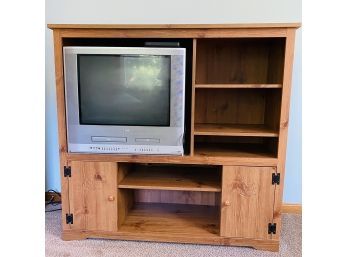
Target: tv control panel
{"type": "Point", "coordinates": [126, 149]}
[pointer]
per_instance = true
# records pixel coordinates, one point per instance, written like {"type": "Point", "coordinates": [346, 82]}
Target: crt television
{"type": "Point", "coordinates": [127, 100]}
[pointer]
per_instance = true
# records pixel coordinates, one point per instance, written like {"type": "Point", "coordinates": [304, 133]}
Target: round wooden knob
{"type": "Point", "coordinates": [111, 198]}
{"type": "Point", "coordinates": [227, 203]}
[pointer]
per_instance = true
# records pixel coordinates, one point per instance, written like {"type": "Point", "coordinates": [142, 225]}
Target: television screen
{"type": "Point", "coordinates": [131, 90]}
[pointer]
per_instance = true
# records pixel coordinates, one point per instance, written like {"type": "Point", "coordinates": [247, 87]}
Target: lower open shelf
{"type": "Point", "coordinates": [173, 219]}
{"type": "Point", "coordinates": [236, 150]}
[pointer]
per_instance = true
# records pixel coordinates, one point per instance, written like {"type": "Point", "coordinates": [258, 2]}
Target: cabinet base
{"type": "Point", "coordinates": [266, 245]}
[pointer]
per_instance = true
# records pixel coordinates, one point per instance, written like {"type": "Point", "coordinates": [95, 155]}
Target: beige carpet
{"type": "Point", "coordinates": [290, 244]}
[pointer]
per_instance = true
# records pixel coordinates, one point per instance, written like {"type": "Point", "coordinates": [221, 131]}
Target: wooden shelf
{"type": "Point", "coordinates": [202, 179]}
{"type": "Point", "coordinates": [232, 150]}
{"type": "Point", "coordinates": [246, 130]}
{"type": "Point", "coordinates": [238, 86]}
{"type": "Point", "coordinates": [172, 219]}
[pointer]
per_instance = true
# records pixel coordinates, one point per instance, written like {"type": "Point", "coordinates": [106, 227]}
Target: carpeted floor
{"type": "Point", "coordinates": [291, 239]}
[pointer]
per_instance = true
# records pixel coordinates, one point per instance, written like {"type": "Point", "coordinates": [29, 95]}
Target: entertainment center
{"type": "Point", "coordinates": [226, 188]}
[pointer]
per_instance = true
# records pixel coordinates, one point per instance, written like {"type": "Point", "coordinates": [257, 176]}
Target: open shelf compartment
{"type": "Point", "coordinates": [248, 147]}
{"type": "Point", "coordinates": [171, 177]}
{"type": "Point", "coordinates": [256, 62]}
{"type": "Point", "coordinates": [172, 219]}
{"type": "Point", "coordinates": [237, 112]}
{"type": "Point", "coordinates": [162, 199]}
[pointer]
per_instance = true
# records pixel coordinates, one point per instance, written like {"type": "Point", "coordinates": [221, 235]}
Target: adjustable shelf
{"type": "Point", "coordinates": [251, 130]}
{"type": "Point", "coordinates": [238, 86]}
{"type": "Point", "coordinates": [171, 177]}
{"type": "Point", "coordinates": [241, 122]}
{"type": "Point", "coordinates": [210, 149]}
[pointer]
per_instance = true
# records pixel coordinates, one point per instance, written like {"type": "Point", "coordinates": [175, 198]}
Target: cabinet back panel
{"type": "Point", "coordinates": [229, 61]}
{"type": "Point", "coordinates": [230, 106]}
{"type": "Point", "coordinates": [179, 197]}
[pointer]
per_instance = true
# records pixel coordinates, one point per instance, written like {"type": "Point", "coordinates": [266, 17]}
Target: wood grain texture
{"type": "Point", "coordinates": [238, 86]}
{"type": "Point", "coordinates": [284, 125]}
{"type": "Point", "coordinates": [238, 106]}
{"type": "Point", "coordinates": [234, 130]}
{"type": "Point", "coordinates": [177, 197]}
{"type": "Point", "coordinates": [206, 155]}
{"type": "Point", "coordinates": [201, 179]}
{"type": "Point", "coordinates": [291, 208]}
{"type": "Point", "coordinates": [174, 33]}
{"type": "Point", "coordinates": [173, 26]}
{"type": "Point", "coordinates": [60, 97]}
{"type": "Point", "coordinates": [179, 219]}
{"type": "Point", "coordinates": [244, 82]}
{"type": "Point", "coordinates": [247, 202]}
{"type": "Point", "coordinates": [125, 201]}
{"type": "Point", "coordinates": [91, 186]}
{"type": "Point", "coordinates": [267, 245]}
{"type": "Point", "coordinates": [193, 95]}
{"type": "Point", "coordinates": [238, 61]}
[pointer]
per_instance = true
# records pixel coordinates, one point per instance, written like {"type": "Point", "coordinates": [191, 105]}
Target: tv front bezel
{"type": "Point", "coordinates": [157, 140]}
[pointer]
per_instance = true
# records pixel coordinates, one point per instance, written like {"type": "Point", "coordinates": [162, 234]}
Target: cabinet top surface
{"type": "Point", "coordinates": [174, 26]}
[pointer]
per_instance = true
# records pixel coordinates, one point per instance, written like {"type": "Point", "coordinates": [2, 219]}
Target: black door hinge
{"type": "Point", "coordinates": [272, 228]}
{"type": "Point", "coordinates": [275, 178]}
{"type": "Point", "coordinates": [67, 171]}
{"type": "Point", "coordinates": [69, 218]}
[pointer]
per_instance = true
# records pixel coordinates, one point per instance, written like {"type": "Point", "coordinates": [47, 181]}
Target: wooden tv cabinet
{"type": "Point", "coordinates": [227, 189]}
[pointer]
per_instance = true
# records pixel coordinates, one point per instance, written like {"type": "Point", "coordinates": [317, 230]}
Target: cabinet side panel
{"type": "Point", "coordinates": [246, 202]}
{"type": "Point", "coordinates": [193, 96]}
{"type": "Point", "coordinates": [58, 58]}
{"type": "Point", "coordinates": [284, 124]}
{"type": "Point", "coordinates": [125, 200]}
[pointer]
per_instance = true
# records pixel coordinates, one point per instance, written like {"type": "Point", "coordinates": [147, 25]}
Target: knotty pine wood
{"type": "Point", "coordinates": [291, 208]}
{"type": "Point", "coordinates": [58, 53]}
{"type": "Point", "coordinates": [212, 156]}
{"type": "Point", "coordinates": [284, 125]}
{"type": "Point", "coordinates": [177, 197]}
{"type": "Point", "coordinates": [174, 219]}
{"type": "Point", "coordinates": [125, 201]}
{"type": "Point", "coordinates": [238, 86]}
{"type": "Point", "coordinates": [212, 239]}
{"type": "Point", "coordinates": [174, 33]}
{"type": "Point", "coordinates": [247, 201]}
{"type": "Point", "coordinates": [276, 61]}
{"type": "Point", "coordinates": [189, 178]}
{"type": "Point", "coordinates": [272, 110]}
{"type": "Point", "coordinates": [92, 196]}
{"type": "Point", "coordinates": [207, 155]}
{"type": "Point", "coordinates": [193, 95]}
{"type": "Point", "coordinates": [237, 106]}
{"type": "Point", "coordinates": [234, 130]}
{"type": "Point", "coordinates": [238, 61]}
{"type": "Point", "coordinates": [174, 26]}
{"type": "Point", "coordinates": [252, 151]}
{"type": "Point", "coordinates": [286, 207]}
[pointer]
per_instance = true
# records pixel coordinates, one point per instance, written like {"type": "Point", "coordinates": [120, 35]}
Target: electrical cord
{"type": "Point", "coordinates": [52, 202]}
{"type": "Point", "coordinates": [58, 209]}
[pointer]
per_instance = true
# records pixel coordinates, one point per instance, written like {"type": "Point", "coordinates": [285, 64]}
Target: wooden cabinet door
{"type": "Point", "coordinates": [92, 195]}
{"type": "Point", "coordinates": [247, 201]}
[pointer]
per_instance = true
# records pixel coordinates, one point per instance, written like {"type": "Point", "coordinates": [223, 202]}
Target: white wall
{"type": "Point", "coordinates": [178, 11]}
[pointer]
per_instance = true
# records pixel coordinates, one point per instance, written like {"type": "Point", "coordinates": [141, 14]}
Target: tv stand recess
{"type": "Point", "coordinates": [227, 190]}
